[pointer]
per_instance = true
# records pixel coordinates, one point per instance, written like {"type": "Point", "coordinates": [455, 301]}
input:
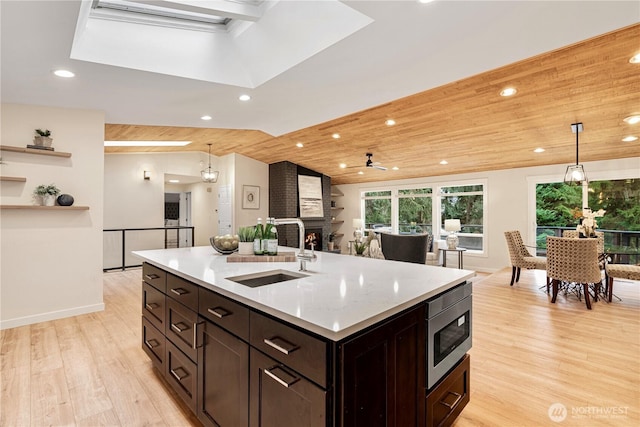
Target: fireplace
{"type": "Point", "coordinates": [313, 236]}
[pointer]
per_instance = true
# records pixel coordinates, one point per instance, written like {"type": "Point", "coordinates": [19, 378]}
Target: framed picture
{"type": "Point", "coordinates": [310, 196]}
{"type": "Point", "coordinates": [250, 197]}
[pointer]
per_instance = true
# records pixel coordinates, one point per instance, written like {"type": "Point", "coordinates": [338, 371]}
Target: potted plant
{"type": "Point", "coordinates": [45, 195]}
{"type": "Point", "coordinates": [330, 243]}
{"type": "Point", "coordinates": [359, 247]}
{"type": "Point", "coordinates": [246, 235]}
{"type": "Point", "coordinates": [42, 138]}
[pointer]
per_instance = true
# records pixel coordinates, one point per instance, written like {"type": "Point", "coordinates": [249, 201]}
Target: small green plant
{"type": "Point", "coordinates": [43, 190]}
{"type": "Point", "coordinates": [359, 247]}
{"type": "Point", "coordinates": [45, 132]}
{"type": "Point", "coordinates": [246, 234]}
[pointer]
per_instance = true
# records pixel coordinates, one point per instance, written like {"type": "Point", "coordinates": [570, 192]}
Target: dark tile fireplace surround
{"type": "Point", "coordinates": [283, 203]}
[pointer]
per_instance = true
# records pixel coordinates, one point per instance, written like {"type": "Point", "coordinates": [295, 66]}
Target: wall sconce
{"type": "Point", "coordinates": [147, 174]}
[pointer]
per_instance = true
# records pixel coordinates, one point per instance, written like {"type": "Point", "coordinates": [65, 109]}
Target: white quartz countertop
{"type": "Point", "coordinates": [341, 295]}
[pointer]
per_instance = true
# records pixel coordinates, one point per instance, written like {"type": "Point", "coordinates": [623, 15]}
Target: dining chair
{"type": "Point", "coordinates": [574, 234]}
{"type": "Point", "coordinates": [573, 261]}
{"type": "Point", "coordinates": [405, 247]}
{"type": "Point", "coordinates": [620, 271]}
{"type": "Point", "coordinates": [521, 257]}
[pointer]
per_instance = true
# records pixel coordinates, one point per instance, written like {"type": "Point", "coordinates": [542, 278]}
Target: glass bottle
{"type": "Point", "coordinates": [272, 248]}
{"type": "Point", "coordinates": [265, 237]}
{"type": "Point", "coordinates": [257, 241]}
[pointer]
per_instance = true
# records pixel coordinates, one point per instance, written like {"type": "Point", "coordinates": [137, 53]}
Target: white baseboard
{"type": "Point", "coordinates": [52, 315]}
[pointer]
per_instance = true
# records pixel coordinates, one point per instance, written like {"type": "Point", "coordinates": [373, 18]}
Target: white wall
{"type": "Point", "coordinates": [133, 202]}
{"type": "Point", "coordinates": [509, 194]}
{"type": "Point", "coordinates": [51, 261]}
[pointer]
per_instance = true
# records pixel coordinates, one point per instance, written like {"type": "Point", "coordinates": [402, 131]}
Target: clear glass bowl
{"type": "Point", "coordinates": [224, 245]}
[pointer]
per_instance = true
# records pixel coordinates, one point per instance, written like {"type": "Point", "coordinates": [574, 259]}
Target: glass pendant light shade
{"type": "Point", "coordinates": [575, 174]}
{"type": "Point", "coordinates": [208, 174]}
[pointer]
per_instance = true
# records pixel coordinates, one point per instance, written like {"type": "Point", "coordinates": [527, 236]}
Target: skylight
{"type": "Point", "coordinates": [177, 13]}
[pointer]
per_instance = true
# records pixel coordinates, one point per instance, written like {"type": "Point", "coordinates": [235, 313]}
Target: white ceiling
{"type": "Point", "coordinates": [408, 48]}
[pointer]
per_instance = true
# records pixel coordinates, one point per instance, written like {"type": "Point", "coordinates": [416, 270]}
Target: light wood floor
{"type": "Point", "coordinates": [527, 355]}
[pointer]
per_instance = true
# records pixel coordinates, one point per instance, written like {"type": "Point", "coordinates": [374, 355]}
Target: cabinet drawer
{"type": "Point", "coordinates": [182, 374]}
{"type": "Point", "coordinates": [296, 349]}
{"type": "Point", "coordinates": [225, 313]}
{"type": "Point", "coordinates": [180, 327]}
{"type": "Point", "coordinates": [154, 344]}
{"type": "Point", "coordinates": [183, 291]}
{"type": "Point", "coordinates": [280, 397]}
{"type": "Point", "coordinates": [153, 305]}
{"type": "Point", "coordinates": [448, 398]}
{"type": "Point", "coordinates": [154, 276]}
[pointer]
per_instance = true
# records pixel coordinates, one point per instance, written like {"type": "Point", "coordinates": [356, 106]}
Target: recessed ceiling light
{"type": "Point", "coordinates": [299, 145]}
{"type": "Point", "coordinates": [635, 59]}
{"type": "Point", "coordinates": [390, 122]}
{"type": "Point", "coordinates": [336, 136]}
{"type": "Point", "coordinates": [632, 120]}
{"type": "Point", "coordinates": [206, 117]}
{"type": "Point", "coordinates": [64, 73]}
{"type": "Point", "coordinates": [444, 162]}
{"type": "Point", "coordinates": [146, 143]}
{"type": "Point", "coordinates": [539, 150]}
{"type": "Point", "coordinates": [629, 138]}
{"type": "Point", "coordinates": [508, 91]}
{"type": "Point", "coordinates": [174, 181]}
{"type": "Point", "coordinates": [395, 168]}
{"type": "Point", "coordinates": [360, 173]}
{"type": "Point", "coordinates": [244, 97]}
{"type": "Point", "coordinates": [343, 165]}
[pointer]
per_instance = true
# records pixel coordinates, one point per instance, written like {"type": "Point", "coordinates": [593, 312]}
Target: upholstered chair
{"type": "Point", "coordinates": [574, 234]}
{"type": "Point", "coordinates": [571, 260]}
{"type": "Point", "coordinates": [405, 247]}
{"type": "Point", "coordinates": [620, 271]}
{"type": "Point", "coordinates": [521, 258]}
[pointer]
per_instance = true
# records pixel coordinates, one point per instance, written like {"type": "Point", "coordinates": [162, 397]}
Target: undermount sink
{"type": "Point", "coordinates": [255, 280]}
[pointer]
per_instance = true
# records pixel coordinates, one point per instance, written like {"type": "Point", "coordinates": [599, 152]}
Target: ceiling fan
{"type": "Point", "coordinates": [371, 164]}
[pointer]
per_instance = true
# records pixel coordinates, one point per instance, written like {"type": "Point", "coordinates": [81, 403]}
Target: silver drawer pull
{"type": "Point", "coordinates": [219, 312]}
{"type": "Point", "coordinates": [280, 380]}
{"type": "Point", "coordinates": [179, 291]}
{"type": "Point", "coordinates": [179, 377]}
{"type": "Point", "coordinates": [179, 327]}
{"type": "Point", "coordinates": [151, 276]}
{"type": "Point", "coordinates": [151, 306]}
{"type": "Point", "coordinates": [283, 346]}
{"type": "Point", "coordinates": [455, 402]}
{"type": "Point", "coordinates": [152, 343]}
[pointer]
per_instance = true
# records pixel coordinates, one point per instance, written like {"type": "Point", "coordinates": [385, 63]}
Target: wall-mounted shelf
{"type": "Point", "coordinates": [337, 208]}
{"type": "Point", "coordinates": [46, 208]}
{"type": "Point", "coordinates": [13, 178]}
{"type": "Point", "coordinates": [34, 151]}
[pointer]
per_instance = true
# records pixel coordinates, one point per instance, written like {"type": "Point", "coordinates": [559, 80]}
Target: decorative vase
{"type": "Point", "coordinates": [330, 246]}
{"type": "Point", "coordinates": [452, 241]}
{"type": "Point", "coordinates": [42, 141]}
{"type": "Point", "coordinates": [65, 200]}
{"type": "Point", "coordinates": [49, 200]}
{"type": "Point", "coordinates": [245, 248]}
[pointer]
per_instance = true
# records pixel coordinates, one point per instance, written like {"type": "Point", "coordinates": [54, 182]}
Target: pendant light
{"type": "Point", "coordinates": [575, 174]}
{"type": "Point", "coordinates": [208, 174]}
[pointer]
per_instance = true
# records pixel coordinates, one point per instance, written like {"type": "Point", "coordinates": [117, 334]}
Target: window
{"type": "Point", "coordinates": [465, 203]}
{"type": "Point", "coordinates": [559, 207]}
{"type": "Point", "coordinates": [422, 209]}
{"type": "Point", "coordinates": [415, 211]}
{"type": "Point", "coordinates": [377, 210]}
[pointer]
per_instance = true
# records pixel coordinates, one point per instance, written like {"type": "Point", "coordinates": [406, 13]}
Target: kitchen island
{"type": "Point", "coordinates": [345, 345]}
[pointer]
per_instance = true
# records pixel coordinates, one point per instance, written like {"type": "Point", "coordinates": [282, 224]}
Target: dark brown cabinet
{"type": "Point", "coordinates": [281, 397]}
{"type": "Point", "coordinates": [383, 374]}
{"type": "Point", "coordinates": [223, 378]}
{"type": "Point", "coordinates": [236, 366]}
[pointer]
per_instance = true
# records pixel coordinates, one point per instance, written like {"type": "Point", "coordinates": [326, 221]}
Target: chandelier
{"type": "Point", "coordinates": [208, 174]}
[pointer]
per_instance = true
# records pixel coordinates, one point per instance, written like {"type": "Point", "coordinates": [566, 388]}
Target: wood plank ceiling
{"type": "Point", "coordinates": [466, 122]}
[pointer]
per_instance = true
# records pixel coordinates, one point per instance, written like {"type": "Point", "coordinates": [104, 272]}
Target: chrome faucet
{"type": "Point", "coordinates": [302, 255]}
